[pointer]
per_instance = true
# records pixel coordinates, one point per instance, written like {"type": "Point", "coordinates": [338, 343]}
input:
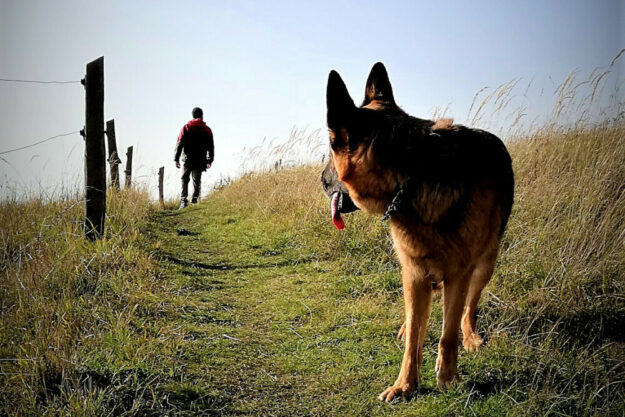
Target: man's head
{"type": "Point", "coordinates": [197, 113]}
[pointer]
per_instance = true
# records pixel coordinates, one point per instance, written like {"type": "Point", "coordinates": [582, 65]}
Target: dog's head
{"type": "Point", "coordinates": [340, 202]}
{"type": "Point", "coordinates": [353, 131]}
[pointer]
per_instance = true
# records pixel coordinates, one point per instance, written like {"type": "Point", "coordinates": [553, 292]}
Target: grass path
{"type": "Point", "coordinates": [228, 273]}
{"type": "Point", "coordinates": [266, 328]}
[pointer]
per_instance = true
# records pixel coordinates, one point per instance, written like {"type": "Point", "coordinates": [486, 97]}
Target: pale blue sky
{"type": "Point", "coordinates": [260, 69]}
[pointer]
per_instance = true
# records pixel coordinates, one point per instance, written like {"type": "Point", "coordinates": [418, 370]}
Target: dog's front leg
{"type": "Point", "coordinates": [417, 302]}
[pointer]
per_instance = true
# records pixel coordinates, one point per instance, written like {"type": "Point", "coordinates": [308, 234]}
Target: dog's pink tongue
{"type": "Point", "coordinates": [338, 221]}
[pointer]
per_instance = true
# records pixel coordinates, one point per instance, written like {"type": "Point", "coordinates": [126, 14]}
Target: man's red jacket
{"type": "Point", "coordinates": [195, 142]}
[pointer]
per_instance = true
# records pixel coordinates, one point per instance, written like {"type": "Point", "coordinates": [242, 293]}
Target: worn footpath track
{"type": "Point", "coordinates": [265, 328]}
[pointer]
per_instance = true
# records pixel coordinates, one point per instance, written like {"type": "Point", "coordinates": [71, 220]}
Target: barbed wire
{"type": "Point", "coordinates": [39, 142]}
{"type": "Point", "coordinates": [39, 81]}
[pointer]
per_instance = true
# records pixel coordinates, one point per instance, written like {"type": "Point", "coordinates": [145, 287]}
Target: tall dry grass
{"type": "Point", "coordinates": [57, 290]}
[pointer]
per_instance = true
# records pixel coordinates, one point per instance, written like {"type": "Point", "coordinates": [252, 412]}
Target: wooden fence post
{"type": "Point", "coordinates": [128, 170]}
{"type": "Point", "coordinates": [113, 159]}
{"type": "Point", "coordinates": [161, 174]}
{"type": "Point", "coordinates": [95, 158]}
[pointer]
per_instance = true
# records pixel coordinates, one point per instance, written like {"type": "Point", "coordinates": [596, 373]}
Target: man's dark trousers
{"type": "Point", "coordinates": [188, 172]}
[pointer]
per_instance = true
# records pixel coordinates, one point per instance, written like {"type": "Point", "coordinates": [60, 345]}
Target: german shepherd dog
{"type": "Point", "coordinates": [447, 191]}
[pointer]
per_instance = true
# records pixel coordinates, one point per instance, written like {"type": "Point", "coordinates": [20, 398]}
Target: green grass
{"type": "Point", "coordinates": [251, 303]}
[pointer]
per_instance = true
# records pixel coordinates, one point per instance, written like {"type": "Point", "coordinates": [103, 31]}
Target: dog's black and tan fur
{"type": "Point", "coordinates": [456, 187]}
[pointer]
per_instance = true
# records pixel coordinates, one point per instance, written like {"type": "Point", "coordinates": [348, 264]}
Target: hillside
{"type": "Point", "coordinates": [251, 303]}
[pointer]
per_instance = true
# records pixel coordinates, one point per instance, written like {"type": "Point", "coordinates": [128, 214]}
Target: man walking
{"type": "Point", "coordinates": [195, 143]}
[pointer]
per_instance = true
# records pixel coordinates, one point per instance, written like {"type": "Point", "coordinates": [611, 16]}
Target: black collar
{"type": "Point", "coordinates": [397, 203]}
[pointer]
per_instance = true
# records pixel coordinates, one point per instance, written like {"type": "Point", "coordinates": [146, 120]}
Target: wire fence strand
{"type": "Point", "coordinates": [39, 81]}
{"type": "Point", "coordinates": [39, 142]}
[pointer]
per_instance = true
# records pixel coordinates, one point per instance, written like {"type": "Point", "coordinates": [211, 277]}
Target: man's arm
{"type": "Point", "coordinates": [179, 146]}
{"type": "Point", "coordinates": [210, 147]}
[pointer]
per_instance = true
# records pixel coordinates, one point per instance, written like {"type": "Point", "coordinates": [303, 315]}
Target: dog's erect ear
{"type": "Point", "coordinates": [340, 104]}
{"type": "Point", "coordinates": [378, 86]}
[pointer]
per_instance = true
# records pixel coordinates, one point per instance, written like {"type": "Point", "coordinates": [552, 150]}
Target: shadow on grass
{"type": "Point", "coordinates": [222, 266]}
{"type": "Point", "coordinates": [185, 232]}
{"type": "Point", "coordinates": [136, 392]}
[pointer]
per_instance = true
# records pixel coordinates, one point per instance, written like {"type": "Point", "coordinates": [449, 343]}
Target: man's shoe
{"type": "Point", "coordinates": [194, 200]}
{"type": "Point", "coordinates": [183, 204]}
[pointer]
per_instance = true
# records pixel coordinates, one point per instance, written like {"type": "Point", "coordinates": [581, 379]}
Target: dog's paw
{"type": "Point", "coordinates": [445, 378]}
{"type": "Point", "coordinates": [397, 391]}
{"type": "Point", "coordinates": [472, 342]}
{"type": "Point", "coordinates": [401, 335]}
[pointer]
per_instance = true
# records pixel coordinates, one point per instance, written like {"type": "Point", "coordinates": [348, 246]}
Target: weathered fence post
{"type": "Point", "coordinates": [95, 158]}
{"type": "Point", "coordinates": [128, 170]}
{"type": "Point", "coordinates": [161, 174]}
{"type": "Point", "coordinates": [113, 159]}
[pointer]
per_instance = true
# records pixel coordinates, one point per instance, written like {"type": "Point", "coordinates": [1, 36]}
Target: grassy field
{"type": "Point", "coordinates": [251, 303]}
